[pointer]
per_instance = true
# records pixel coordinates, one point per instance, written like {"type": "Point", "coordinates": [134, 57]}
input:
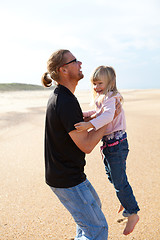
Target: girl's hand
{"type": "Point", "coordinates": [81, 126]}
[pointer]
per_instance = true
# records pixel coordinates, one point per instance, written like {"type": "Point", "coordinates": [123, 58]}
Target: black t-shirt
{"type": "Point", "coordinates": [64, 161]}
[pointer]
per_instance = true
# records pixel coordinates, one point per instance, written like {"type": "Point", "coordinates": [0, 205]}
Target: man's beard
{"type": "Point", "coordinates": [81, 76]}
{"type": "Point", "coordinates": [78, 76]}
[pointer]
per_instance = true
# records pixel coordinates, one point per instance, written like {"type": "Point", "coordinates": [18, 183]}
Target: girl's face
{"type": "Point", "coordinates": [100, 86]}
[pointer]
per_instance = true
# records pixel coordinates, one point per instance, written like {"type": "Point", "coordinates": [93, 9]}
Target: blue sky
{"type": "Point", "coordinates": [124, 34]}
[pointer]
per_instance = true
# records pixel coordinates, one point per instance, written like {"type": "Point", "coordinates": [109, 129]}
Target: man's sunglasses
{"type": "Point", "coordinates": [74, 60]}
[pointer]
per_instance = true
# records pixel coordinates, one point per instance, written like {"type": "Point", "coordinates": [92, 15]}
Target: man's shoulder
{"type": "Point", "coordinates": [64, 93]}
{"type": "Point", "coordinates": [60, 94]}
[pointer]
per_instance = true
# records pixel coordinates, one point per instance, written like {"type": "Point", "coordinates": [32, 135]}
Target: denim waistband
{"type": "Point", "coordinates": [111, 138]}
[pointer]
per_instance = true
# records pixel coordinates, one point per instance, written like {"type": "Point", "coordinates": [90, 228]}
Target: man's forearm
{"type": "Point", "coordinates": [94, 137]}
{"type": "Point", "coordinates": [85, 140]}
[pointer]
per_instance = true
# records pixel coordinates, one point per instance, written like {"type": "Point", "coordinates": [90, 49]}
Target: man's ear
{"type": "Point", "coordinates": [63, 70]}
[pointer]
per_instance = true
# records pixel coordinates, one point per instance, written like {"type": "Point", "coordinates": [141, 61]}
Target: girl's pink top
{"type": "Point", "coordinates": [105, 113]}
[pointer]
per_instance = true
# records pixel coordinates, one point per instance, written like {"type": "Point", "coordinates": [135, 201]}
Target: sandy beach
{"type": "Point", "coordinates": [28, 208]}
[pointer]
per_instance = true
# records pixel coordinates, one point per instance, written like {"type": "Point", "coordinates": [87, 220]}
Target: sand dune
{"type": "Point", "coordinates": [30, 211]}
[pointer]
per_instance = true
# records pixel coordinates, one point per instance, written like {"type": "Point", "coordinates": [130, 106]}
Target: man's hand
{"type": "Point", "coordinates": [118, 108]}
{"type": "Point", "coordinates": [81, 126]}
{"type": "Point", "coordinates": [87, 119]}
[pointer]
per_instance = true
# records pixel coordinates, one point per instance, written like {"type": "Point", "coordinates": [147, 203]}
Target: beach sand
{"type": "Point", "coordinates": [29, 209]}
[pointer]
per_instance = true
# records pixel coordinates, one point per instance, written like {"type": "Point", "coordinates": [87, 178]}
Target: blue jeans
{"type": "Point", "coordinates": [115, 154]}
{"type": "Point", "coordinates": [83, 203]}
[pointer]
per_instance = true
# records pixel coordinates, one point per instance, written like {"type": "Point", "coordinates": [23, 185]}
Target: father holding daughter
{"type": "Point", "coordinates": [65, 148]}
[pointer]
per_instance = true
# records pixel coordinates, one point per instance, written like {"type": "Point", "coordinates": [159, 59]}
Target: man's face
{"type": "Point", "coordinates": [73, 67]}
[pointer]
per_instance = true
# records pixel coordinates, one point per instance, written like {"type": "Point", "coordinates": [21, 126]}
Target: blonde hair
{"type": "Point", "coordinates": [56, 60]}
{"type": "Point", "coordinates": [108, 75]}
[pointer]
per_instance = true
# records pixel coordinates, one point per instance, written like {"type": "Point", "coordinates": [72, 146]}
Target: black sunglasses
{"type": "Point", "coordinates": [74, 60]}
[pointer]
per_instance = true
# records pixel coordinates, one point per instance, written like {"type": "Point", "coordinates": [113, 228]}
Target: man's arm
{"type": "Point", "coordinates": [86, 141]}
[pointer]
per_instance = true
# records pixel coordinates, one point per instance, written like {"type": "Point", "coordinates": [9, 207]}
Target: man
{"type": "Point", "coordinates": [65, 148]}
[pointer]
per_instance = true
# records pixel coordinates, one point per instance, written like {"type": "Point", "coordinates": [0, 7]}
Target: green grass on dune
{"type": "Point", "coordinates": [19, 87]}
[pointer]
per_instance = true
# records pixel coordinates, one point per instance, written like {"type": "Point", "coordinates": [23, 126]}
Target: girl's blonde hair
{"type": "Point", "coordinates": [56, 60]}
{"type": "Point", "coordinates": [107, 74]}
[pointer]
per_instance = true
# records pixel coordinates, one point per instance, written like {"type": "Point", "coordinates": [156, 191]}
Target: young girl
{"type": "Point", "coordinates": [115, 145]}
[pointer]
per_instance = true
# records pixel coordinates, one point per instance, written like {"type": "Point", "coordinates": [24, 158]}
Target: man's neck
{"type": "Point", "coordinates": [70, 85]}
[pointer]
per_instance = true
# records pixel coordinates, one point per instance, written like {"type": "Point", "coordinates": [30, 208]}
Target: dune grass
{"type": "Point", "coordinates": [19, 87]}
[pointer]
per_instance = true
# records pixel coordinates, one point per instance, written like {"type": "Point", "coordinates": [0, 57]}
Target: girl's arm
{"type": "Point", "coordinates": [89, 113]}
{"type": "Point", "coordinates": [109, 107]}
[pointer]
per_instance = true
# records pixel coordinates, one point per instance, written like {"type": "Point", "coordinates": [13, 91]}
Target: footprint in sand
{"type": "Point", "coordinates": [121, 220]}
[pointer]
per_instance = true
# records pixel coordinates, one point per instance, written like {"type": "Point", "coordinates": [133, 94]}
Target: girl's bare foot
{"type": "Point", "coordinates": [132, 221]}
{"type": "Point", "coordinates": [120, 208]}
